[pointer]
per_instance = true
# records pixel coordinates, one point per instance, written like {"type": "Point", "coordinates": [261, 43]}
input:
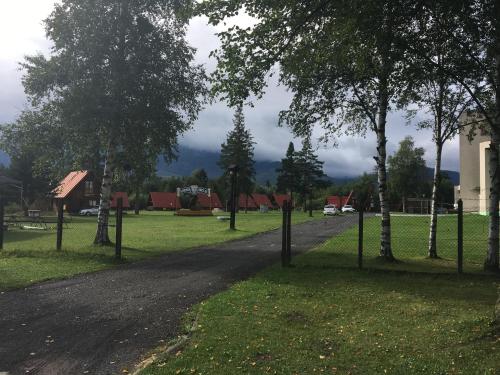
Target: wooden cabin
{"type": "Point", "coordinates": [78, 190]}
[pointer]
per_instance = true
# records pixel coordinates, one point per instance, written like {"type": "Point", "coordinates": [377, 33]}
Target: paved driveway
{"type": "Point", "coordinates": [104, 322]}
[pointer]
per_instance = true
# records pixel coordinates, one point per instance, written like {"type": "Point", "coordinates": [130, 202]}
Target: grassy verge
{"type": "Point", "coordinates": [317, 318]}
{"type": "Point", "coordinates": [409, 236]}
{"type": "Point", "coordinates": [29, 255]}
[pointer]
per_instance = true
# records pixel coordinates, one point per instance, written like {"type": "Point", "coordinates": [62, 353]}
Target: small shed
{"type": "Point", "coordinates": [164, 201]}
{"type": "Point", "coordinates": [262, 200]}
{"type": "Point", "coordinates": [246, 202]}
{"type": "Point", "coordinates": [78, 190]}
{"type": "Point", "coordinates": [339, 201]}
{"type": "Point", "coordinates": [120, 194]}
{"type": "Point", "coordinates": [280, 198]}
{"type": "Point", "coordinates": [209, 202]}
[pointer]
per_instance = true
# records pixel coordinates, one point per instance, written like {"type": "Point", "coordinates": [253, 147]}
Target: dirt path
{"type": "Point", "coordinates": [104, 322]}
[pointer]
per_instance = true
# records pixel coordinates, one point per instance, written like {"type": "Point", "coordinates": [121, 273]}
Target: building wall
{"type": "Point", "coordinates": [470, 171]}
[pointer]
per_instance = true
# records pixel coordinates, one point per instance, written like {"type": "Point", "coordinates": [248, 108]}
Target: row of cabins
{"type": "Point", "coordinates": [170, 201]}
{"type": "Point", "coordinates": [78, 190]}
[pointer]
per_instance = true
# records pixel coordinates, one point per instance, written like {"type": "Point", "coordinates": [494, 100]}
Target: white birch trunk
{"type": "Point", "coordinates": [434, 218]}
{"type": "Point", "coordinates": [102, 237]}
{"type": "Point", "coordinates": [385, 234]}
{"type": "Point", "coordinates": [491, 262]}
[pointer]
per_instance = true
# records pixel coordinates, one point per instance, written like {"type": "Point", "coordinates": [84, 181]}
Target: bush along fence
{"type": "Point", "coordinates": [461, 242]}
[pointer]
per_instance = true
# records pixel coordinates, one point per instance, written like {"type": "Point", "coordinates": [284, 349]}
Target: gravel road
{"type": "Point", "coordinates": [105, 322]}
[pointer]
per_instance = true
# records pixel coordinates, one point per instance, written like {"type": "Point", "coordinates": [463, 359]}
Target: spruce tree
{"type": "Point", "coordinates": [310, 169]}
{"type": "Point", "coordinates": [288, 173]}
{"type": "Point", "coordinates": [239, 149]}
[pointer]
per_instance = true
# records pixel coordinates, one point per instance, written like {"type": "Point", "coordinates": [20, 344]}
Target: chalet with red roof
{"type": "Point", "coordinates": [78, 190]}
{"type": "Point", "coordinates": [123, 196]}
{"type": "Point", "coordinates": [209, 202]}
{"type": "Point", "coordinates": [280, 198]}
{"type": "Point", "coordinates": [246, 202]}
{"type": "Point", "coordinates": [339, 201]}
{"type": "Point", "coordinates": [262, 200]}
{"type": "Point", "coordinates": [164, 201]}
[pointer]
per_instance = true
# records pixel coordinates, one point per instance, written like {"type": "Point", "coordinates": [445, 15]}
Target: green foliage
{"type": "Point", "coordinates": [407, 173]}
{"type": "Point", "coordinates": [288, 174]}
{"type": "Point", "coordinates": [98, 88]}
{"type": "Point", "coordinates": [238, 149]}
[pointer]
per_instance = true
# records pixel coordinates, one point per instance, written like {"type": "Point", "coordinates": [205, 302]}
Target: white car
{"type": "Point", "coordinates": [330, 209]}
{"type": "Point", "coordinates": [348, 208]}
{"type": "Point", "coordinates": [94, 211]}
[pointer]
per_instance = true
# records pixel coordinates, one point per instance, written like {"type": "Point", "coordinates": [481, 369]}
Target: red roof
{"type": "Point", "coordinates": [338, 200]}
{"type": "Point", "coordinates": [119, 194]}
{"type": "Point", "coordinates": [164, 200]}
{"type": "Point", "coordinates": [262, 199]}
{"type": "Point", "coordinates": [280, 198]}
{"type": "Point", "coordinates": [209, 202]}
{"type": "Point", "coordinates": [242, 203]}
{"type": "Point", "coordinates": [69, 183]}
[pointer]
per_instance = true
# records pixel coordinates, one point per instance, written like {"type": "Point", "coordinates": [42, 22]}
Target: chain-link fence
{"type": "Point", "coordinates": [410, 241]}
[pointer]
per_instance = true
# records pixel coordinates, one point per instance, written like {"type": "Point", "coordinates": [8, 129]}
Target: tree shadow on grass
{"type": "Point", "coordinates": [337, 268]}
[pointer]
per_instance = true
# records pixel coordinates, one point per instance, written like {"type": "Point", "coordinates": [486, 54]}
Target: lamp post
{"type": "Point", "coordinates": [310, 200]}
{"type": "Point", "coordinates": [233, 172]}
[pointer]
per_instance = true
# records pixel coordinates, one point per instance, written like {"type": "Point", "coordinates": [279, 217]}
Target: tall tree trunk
{"type": "Point", "coordinates": [492, 256]}
{"type": "Point", "coordinates": [434, 218]}
{"type": "Point", "coordinates": [491, 262]}
{"type": "Point", "coordinates": [385, 234]}
{"type": "Point", "coordinates": [102, 237]}
{"type": "Point", "coordinates": [137, 203]}
{"type": "Point", "coordinates": [403, 201]}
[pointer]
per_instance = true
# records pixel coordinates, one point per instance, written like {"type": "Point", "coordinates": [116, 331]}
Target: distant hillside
{"type": "Point", "coordinates": [190, 159]}
{"type": "Point", "coordinates": [452, 175]}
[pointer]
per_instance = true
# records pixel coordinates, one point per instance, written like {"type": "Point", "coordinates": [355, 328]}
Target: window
{"type": "Point", "coordinates": [89, 187]}
{"type": "Point", "coordinates": [92, 203]}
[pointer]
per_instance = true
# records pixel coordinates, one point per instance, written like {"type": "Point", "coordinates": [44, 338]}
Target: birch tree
{"type": "Point", "coordinates": [117, 68]}
{"type": "Point", "coordinates": [472, 31]}
{"type": "Point", "coordinates": [339, 58]}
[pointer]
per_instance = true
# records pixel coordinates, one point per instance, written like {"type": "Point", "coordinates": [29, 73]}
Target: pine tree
{"type": "Point", "coordinates": [238, 149]}
{"type": "Point", "coordinates": [310, 169]}
{"type": "Point", "coordinates": [288, 173]}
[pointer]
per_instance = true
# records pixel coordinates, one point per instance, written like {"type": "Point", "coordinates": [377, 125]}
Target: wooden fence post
{"type": "Point", "coordinates": [284, 235]}
{"type": "Point", "coordinates": [360, 238]}
{"type": "Point", "coordinates": [289, 234]}
{"type": "Point", "coordinates": [460, 238]}
{"type": "Point", "coordinates": [119, 217]}
{"type": "Point", "coordinates": [2, 218]}
{"type": "Point", "coordinates": [60, 219]}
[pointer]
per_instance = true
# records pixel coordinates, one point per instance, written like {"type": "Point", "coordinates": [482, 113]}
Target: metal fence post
{"type": "Point", "coordinates": [2, 217]}
{"type": "Point", "coordinates": [289, 233]}
{"type": "Point", "coordinates": [119, 216]}
{"type": "Point", "coordinates": [360, 238]}
{"type": "Point", "coordinates": [60, 219]}
{"type": "Point", "coordinates": [460, 238]}
{"type": "Point", "coordinates": [283, 235]}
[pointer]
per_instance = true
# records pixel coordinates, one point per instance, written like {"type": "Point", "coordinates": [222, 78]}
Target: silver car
{"type": "Point", "coordinates": [94, 211]}
{"type": "Point", "coordinates": [330, 209]}
{"type": "Point", "coordinates": [348, 208]}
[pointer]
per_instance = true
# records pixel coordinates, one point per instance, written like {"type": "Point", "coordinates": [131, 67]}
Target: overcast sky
{"type": "Point", "coordinates": [22, 33]}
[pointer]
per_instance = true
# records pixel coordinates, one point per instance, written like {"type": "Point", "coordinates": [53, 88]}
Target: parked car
{"type": "Point", "coordinates": [348, 208]}
{"type": "Point", "coordinates": [330, 209]}
{"type": "Point", "coordinates": [90, 211]}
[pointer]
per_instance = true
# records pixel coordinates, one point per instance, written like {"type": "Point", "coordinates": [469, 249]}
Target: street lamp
{"type": "Point", "coordinates": [233, 172]}
{"type": "Point", "coordinates": [310, 200]}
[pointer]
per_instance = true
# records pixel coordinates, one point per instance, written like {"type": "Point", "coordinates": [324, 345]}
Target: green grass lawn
{"type": "Point", "coordinates": [410, 241]}
{"type": "Point", "coordinates": [29, 255]}
{"type": "Point", "coordinates": [317, 318]}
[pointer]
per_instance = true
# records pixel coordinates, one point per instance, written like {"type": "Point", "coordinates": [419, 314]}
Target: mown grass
{"type": "Point", "coordinates": [410, 244]}
{"type": "Point", "coordinates": [318, 318]}
{"type": "Point", "coordinates": [29, 255]}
